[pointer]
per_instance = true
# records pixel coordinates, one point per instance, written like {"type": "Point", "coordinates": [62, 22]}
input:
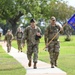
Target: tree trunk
{"type": "Point", "coordinates": [13, 22]}
{"type": "Point", "coordinates": [14, 28]}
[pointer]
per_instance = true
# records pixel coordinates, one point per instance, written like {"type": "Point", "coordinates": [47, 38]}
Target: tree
{"type": "Point", "coordinates": [9, 13]}
{"type": "Point", "coordinates": [13, 10]}
{"type": "Point", "coordinates": [59, 9]}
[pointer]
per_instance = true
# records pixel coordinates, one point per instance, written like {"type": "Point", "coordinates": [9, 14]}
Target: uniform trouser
{"type": "Point", "coordinates": [53, 57]}
{"type": "Point", "coordinates": [32, 50]}
{"type": "Point", "coordinates": [8, 45]}
{"type": "Point", "coordinates": [53, 50]}
{"type": "Point", "coordinates": [19, 43]}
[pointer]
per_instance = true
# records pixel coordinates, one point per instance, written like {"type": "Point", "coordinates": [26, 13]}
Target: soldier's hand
{"type": "Point", "coordinates": [38, 34]}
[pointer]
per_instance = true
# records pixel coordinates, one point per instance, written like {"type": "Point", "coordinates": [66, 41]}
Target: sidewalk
{"type": "Point", "coordinates": [42, 67]}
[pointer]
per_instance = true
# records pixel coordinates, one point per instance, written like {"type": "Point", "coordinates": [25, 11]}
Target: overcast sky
{"type": "Point", "coordinates": [71, 2]}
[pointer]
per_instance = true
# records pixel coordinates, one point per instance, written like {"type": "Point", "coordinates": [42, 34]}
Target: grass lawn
{"type": "Point", "coordinates": [66, 59]}
{"type": "Point", "coordinates": [9, 66]}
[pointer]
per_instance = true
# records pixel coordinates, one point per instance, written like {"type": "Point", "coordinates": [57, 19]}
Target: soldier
{"type": "Point", "coordinates": [32, 34]}
{"type": "Point", "coordinates": [19, 35]}
{"type": "Point", "coordinates": [53, 47]}
{"type": "Point", "coordinates": [8, 38]}
{"type": "Point", "coordinates": [68, 30]}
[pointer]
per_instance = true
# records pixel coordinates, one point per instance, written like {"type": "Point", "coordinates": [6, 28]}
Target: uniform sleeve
{"type": "Point", "coordinates": [12, 36]}
{"type": "Point", "coordinates": [61, 29]}
{"type": "Point", "coordinates": [25, 34]}
{"type": "Point", "coordinates": [46, 35]}
{"type": "Point", "coordinates": [39, 30]}
{"type": "Point", "coordinates": [5, 37]}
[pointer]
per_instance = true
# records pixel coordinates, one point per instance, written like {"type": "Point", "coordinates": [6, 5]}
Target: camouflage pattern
{"type": "Point", "coordinates": [32, 49]}
{"type": "Point", "coordinates": [32, 43]}
{"type": "Point", "coordinates": [19, 35]}
{"type": "Point", "coordinates": [8, 38]}
{"type": "Point", "coordinates": [68, 31]}
{"type": "Point", "coordinates": [54, 46]}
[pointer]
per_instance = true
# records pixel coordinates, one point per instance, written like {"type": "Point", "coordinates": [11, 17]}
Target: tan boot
{"type": "Point", "coordinates": [29, 64]}
{"type": "Point", "coordinates": [35, 65]}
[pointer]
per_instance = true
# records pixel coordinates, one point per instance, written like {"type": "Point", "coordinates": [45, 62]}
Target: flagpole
{"type": "Point", "coordinates": [54, 36]}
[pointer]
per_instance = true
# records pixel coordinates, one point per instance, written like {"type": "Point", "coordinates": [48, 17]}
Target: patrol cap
{"type": "Point", "coordinates": [53, 18]}
{"type": "Point", "coordinates": [32, 20]}
{"type": "Point", "coordinates": [8, 30]}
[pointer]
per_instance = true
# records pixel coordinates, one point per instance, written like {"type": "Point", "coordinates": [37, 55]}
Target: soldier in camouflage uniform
{"type": "Point", "coordinates": [8, 38]}
{"type": "Point", "coordinates": [53, 47]}
{"type": "Point", "coordinates": [68, 31]}
{"type": "Point", "coordinates": [19, 35]}
{"type": "Point", "coordinates": [32, 34]}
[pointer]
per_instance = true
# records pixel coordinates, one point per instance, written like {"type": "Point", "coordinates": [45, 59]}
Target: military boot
{"type": "Point", "coordinates": [56, 57]}
{"type": "Point", "coordinates": [21, 49]}
{"type": "Point", "coordinates": [34, 65]}
{"type": "Point", "coordinates": [29, 64]}
{"type": "Point", "coordinates": [8, 49]}
{"type": "Point", "coordinates": [55, 63]}
{"type": "Point", "coordinates": [52, 66]}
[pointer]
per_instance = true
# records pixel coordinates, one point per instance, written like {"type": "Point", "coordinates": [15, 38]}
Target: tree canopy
{"type": "Point", "coordinates": [12, 10]}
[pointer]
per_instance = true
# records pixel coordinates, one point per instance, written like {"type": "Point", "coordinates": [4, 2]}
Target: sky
{"type": "Point", "coordinates": [71, 2]}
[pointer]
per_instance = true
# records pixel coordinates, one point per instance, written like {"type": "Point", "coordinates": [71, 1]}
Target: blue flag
{"type": "Point", "coordinates": [71, 21]}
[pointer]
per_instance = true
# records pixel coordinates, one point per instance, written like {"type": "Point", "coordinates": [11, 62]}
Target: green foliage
{"type": "Point", "coordinates": [59, 9]}
{"type": "Point", "coordinates": [36, 9]}
{"type": "Point", "coordinates": [6, 6]}
{"type": "Point", "coordinates": [11, 11]}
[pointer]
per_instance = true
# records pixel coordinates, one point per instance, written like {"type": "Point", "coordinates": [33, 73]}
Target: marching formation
{"type": "Point", "coordinates": [32, 35]}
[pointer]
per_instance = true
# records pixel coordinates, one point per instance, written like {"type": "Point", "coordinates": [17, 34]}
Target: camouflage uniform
{"type": "Point", "coordinates": [8, 38]}
{"type": "Point", "coordinates": [32, 42]}
{"type": "Point", "coordinates": [19, 35]}
{"type": "Point", "coordinates": [68, 31]}
{"type": "Point", "coordinates": [54, 46]}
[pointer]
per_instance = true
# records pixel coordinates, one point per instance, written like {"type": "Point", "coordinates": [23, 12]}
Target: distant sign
{"type": "Point", "coordinates": [71, 21]}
